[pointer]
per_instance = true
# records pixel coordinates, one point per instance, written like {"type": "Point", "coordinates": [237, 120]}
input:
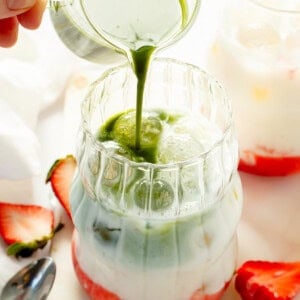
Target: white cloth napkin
{"type": "Point", "coordinates": [33, 75]}
{"type": "Point", "coordinates": [19, 147]}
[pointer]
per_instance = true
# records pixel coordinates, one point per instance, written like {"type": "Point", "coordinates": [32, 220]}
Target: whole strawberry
{"type": "Point", "coordinates": [263, 280]}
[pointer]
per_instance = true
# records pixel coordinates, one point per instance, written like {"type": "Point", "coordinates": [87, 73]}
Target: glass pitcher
{"type": "Point", "coordinates": [96, 30]}
{"type": "Point", "coordinates": [256, 56]}
{"type": "Point", "coordinates": [157, 230]}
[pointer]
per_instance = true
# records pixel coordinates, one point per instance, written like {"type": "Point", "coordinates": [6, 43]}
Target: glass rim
{"type": "Point", "coordinates": [99, 147]}
{"type": "Point", "coordinates": [273, 8]}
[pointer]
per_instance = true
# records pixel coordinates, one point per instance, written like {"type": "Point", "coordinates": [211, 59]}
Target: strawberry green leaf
{"type": "Point", "coordinates": [20, 249]}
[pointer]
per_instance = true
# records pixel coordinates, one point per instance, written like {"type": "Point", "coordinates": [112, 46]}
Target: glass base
{"type": "Point", "coordinates": [199, 295]}
{"type": "Point", "coordinates": [94, 290]}
{"type": "Point", "coordinates": [97, 292]}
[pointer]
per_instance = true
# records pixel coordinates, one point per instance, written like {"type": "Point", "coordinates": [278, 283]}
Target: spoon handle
{"type": "Point", "coordinates": [33, 282]}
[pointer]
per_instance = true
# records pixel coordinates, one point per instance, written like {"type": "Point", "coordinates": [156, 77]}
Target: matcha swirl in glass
{"type": "Point", "coordinates": [158, 221]}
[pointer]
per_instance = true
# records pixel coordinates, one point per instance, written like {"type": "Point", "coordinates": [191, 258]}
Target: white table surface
{"type": "Point", "coordinates": [270, 224]}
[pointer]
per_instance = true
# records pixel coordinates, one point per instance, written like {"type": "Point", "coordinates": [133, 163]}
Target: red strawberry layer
{"type": "Point", "coordinates": [97, 292]}
{"type": "Point", "coordinates": [94, 290]}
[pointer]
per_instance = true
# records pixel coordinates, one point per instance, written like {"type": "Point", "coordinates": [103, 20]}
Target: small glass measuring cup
{"type": "Point", "coordinates": [86, 28]}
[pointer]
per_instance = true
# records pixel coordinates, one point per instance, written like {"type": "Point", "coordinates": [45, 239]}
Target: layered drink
{"type": "Point", "coordinates": [157, 221]}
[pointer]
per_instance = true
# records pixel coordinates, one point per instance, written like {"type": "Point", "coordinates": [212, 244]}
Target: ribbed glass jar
{"type": "Point", "coordinates": [256, 57]}
{"type": "Point", "coordinates": [157, 231]}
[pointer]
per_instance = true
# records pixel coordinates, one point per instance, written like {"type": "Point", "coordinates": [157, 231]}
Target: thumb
{"type": "Point", "coordinates": [10, 8]}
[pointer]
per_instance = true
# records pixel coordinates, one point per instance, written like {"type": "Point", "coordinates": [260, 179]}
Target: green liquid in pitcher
{"type": "Point", "coordinates": [184, 12]}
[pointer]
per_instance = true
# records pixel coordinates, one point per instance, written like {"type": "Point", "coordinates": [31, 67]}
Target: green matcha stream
{"type": "Point", "coordinates": [138, 29]}
{"type": "Point", "coordinates": [140, 60]}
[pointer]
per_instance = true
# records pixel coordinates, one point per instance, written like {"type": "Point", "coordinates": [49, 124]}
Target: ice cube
{"type": "Point", "coordinates": [162, 194]}
{"type": "Point", "coordinates": [293, 40]}
{"type": "Point", "coordinates": [179, 147]}
{"type": "Point", "coordinates": [186, 138]}
{"type": "Point", "coordinates": [113, 147]}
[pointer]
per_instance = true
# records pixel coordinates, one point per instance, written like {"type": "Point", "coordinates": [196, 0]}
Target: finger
{"type": "Point", "coordinates": [32, 18]}
{"type": "Point", "coordinates": [8, 31]}
{"type": "Point", "coordinates": [10, 8]}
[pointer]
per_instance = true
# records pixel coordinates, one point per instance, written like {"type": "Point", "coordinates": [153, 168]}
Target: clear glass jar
{"type": "Point", "coordinates": [157, 231]}
{"type": "Point", "coordinates": [77, 34]}
{"type": "Point", "coordinates": [256, 57]}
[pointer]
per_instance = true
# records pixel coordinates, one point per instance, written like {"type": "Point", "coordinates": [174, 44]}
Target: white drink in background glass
{"type": "Point", "coordinates": [256, 57]}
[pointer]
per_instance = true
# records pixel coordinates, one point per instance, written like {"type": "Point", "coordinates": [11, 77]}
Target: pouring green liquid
{"type": "Point", "coordinates": [141, 59]}
{"type": "Point", "coordinates": [141, 30]}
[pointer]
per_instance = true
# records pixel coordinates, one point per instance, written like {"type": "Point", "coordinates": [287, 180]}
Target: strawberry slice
{"type": "Point", "coordinates": [61, 175]}
{"type": "Point", "coordinates": [26, 228]}
{"type": "Point", "coordinates": [262, 280]}
{"type": "Point", "coordinates": [271, 166]}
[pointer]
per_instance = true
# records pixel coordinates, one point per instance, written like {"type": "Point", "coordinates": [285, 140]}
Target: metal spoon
{"type": "Point", "coordinates": [33, 282]}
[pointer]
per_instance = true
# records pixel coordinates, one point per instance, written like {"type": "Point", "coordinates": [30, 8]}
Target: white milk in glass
{"type": "Point", "coordinates": [256, 56]}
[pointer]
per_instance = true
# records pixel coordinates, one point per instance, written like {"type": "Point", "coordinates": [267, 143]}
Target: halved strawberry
{"type": "Point", "coordinates": [271, 166]}
{"type": "Point", "coordinates": [263, 280]}
{"type": "Point", "coordinates": [60, 175]}
{"type": "Point", "coordinates": [26, 228]}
